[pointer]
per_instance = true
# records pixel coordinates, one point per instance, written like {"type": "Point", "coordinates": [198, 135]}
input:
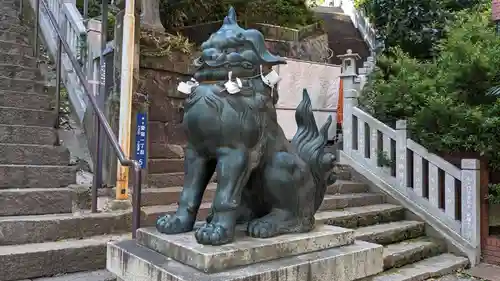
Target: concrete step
{"type": "Point", "coordinates": [429, 268]}
{"type": "Point", "coordinates": [22, 85]}
{"type": "Point", "coordinates": [36, 201]}
{"type": "Point", "coordinates": [36, 176]}
{"type": "Point", "coordinates": [13, 3]}
{"type": "Point", "coordinates": [98, 275]}
{"type": "Point", "coordinates": [410, 251]}
{"type": "Point", "coordinates": [389, 233]}
{"type": "Point", "coordinates": [32, 154]}
{"type": "Point", "coordinates": [177, 179]}
{"type": "Point", "coordinates": [8, 12]}
{"type": "Point", "coordinates": [151, 213]}
{"type": "Point", "coordinates": [355, 217]}
{"type": "Point", "coordinates": [27, 134]}
{"type": "Point", "coordinates": [54, 258]}
{"type": "Point", "coordinates": [14, 27]}
{"type": "Point", "coordinates": [340, 201]}
{"type": "Point", "coordinates": [170, 195]}
{"type": "Point", "coordinates": [27, 61]}
{"type": "Point", "coordinates": [162, 166]}
{"type": "Point", "coordinates": [25, 100]}
{"type": "Point", "coordinates": [27, 117]}
{"type": "Point", "coordinates": [347, 186]}
{"type": "Point", "coordinates": [19, 72]}
{"type": "Point", "coordinates": [16, 48]}
{"type": "Point", "coordinates": [18, 230]}
{"type": "Point", "coordinates": [19, 37]}
{"type": "Point", "coordinates": [344, 174]}
{"type": "Point", "coordinates": [166, 180]}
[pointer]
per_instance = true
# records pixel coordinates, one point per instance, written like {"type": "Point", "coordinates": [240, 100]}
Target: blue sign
{"type": "Point", "coordinates": [140, 139]}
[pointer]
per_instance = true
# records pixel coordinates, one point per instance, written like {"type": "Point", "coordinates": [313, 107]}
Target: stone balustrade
{"type": "Point", "coordinates": [445, 196]}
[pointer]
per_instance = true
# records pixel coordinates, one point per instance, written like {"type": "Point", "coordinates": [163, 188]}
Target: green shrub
{"type": "Point", "coordinates": [289, 13]}
{"type": "Point", "coordinates": [445, 100]}
{"type": "Point", "coordinates": [413, 25]}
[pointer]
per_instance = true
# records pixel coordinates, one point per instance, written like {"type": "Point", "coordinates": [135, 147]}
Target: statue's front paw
{"type": "Point", "coordinates": [213, 234]}
{"type": "Point", "coordinates": [172, 224]}
{"type": "Point", "coordinates": [262, 228]}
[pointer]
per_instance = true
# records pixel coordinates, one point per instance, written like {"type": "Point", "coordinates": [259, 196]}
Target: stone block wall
{"type": "Point", "coordinates": [312, 48]}
{"type": "Point", "coordinates": [158, 78]}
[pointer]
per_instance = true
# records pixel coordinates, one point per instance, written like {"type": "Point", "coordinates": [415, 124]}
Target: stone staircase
{"type": "Point", "coordinates": [342, 35]}
{"type": "Point", "coordinates": [43, 233]}
{"type": "Point", "coordinates": [40, 232]}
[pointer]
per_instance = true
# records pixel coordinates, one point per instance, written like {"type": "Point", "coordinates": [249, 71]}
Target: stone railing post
{"type": "Point", "coordinates": [350, 84]}
{"type": "Point", "coordinates": [150, 16]}
{"type": "Point", "coordinates": [471, 205]}
{"type": "Point", "coordinates": [350, 101]}
{"type": "Point", "coordinates": [401, 137]}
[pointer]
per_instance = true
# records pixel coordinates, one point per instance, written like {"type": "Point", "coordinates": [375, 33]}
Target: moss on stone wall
{"type": "Point", "coordinates": [288, 13]}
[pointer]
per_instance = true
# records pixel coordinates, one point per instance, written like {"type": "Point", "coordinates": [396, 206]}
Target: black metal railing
{"type": "Point", "coordinates": [101, 119]}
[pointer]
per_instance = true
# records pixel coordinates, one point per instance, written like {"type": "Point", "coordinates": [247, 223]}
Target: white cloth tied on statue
{"type": "Point", "coordinates": [187, 87]}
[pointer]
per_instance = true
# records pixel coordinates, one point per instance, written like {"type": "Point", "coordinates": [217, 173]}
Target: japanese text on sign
{"type": "Point", "coordinates": [140, 140]}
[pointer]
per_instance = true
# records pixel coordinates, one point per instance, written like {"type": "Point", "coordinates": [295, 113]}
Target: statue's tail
{"type": "Point", "coordinates": [310, 145]}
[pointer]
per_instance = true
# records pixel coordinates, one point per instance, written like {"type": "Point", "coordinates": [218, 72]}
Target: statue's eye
{"type": "Point", "coordinates": [239, 35]}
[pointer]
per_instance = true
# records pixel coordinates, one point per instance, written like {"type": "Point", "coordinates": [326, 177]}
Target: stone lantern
{"type": "Point", "coordinates": [150, 16]}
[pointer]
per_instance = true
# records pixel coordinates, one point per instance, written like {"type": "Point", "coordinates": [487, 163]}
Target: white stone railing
{"type": "Point", "coordinates": [75, 34]}
{"type": "Point", "coordinates": [445, 196]}
{"type": "Point", "coordinates": [359, 20]}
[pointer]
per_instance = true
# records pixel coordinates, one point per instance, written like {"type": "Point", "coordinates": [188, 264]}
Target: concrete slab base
{"type": "Point", "coordinates": [244, 250]}
{"type": "Point", "coordinates": [130, 261]}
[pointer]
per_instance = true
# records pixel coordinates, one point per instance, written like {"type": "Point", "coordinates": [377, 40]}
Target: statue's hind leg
{"type": "Point", "coordinates": [233, 171]}
{"type": "Point", "coordinates": [291, 187]}
{"type": "Point", "coordinates": [198, 171]}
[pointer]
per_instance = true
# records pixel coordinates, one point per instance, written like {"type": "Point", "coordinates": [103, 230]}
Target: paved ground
{"type": "Point", "coordinates": [482, 272]}
{"type": "Point", "coordinates": [456, 277]}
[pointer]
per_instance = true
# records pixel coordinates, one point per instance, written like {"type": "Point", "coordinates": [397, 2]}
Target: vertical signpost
{"type": "Point", "coordinates": [140, 139]}
{"type": "Point", "coordinates": [495, 14]}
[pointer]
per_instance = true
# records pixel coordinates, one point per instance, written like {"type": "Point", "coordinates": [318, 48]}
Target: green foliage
{"type": "Point", "coordinates": [384, 160]}
{"type": "Point", "coordinates": [415, 26]}
{"type": "Point", "coordinates": [289, 13]}
{"type": "Point", "coordinates": [94, 8]}
{"type": "Point", "coordinates": [452, 102]}
{"type": "Point", "coordinates": [493, 194]}
{"type": "Point", "coordinates": [94, 11]}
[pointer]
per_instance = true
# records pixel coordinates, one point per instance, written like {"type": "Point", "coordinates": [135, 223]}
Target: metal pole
{"type": "Point", "coordinates": [126, 88]}
{"type": "Point", "coordinates": [104, 42]}
{"type": "Point", "coordinates": [97, 181]}
{"type": "Point", "coordinates": [35, 39]}
{"type": "Point", "coordinates": [104, 26]}
{"type": "Point", "coordinates": [136, 200]}
{"type": "Point", "coordinates": [102, 92]}
{"type": "Point", "coordinates": [21, 7]}
{"type": "Point", "coordinates": [58, 81]}
{"type": "Point", "coordinates": [85, 10]}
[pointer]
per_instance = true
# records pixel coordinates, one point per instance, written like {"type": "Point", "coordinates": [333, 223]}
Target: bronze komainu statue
{"type": "Point", "coordinates": [262, 179]}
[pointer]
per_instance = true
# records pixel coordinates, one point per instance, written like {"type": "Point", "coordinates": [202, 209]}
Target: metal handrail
{"type": "Point", "coordinates": [61, 44]}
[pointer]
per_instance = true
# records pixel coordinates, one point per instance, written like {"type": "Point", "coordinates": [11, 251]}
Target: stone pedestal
{"type": "Point", "coordinates": [326, 253]}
